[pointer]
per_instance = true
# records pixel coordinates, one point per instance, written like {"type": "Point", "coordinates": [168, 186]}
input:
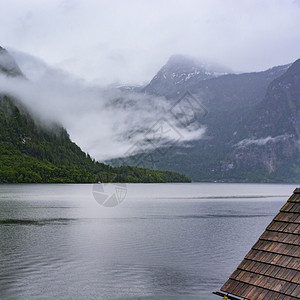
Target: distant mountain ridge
{"type": "Point", "coordinates": [252, 125]}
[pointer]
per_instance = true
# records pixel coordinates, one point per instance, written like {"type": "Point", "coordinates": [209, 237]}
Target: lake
{"type": "Point", "coordinates": [164, 241]}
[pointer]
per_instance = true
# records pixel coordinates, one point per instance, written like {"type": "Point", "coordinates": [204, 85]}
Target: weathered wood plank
{"type": "Point", "coordinates": [272, 267]}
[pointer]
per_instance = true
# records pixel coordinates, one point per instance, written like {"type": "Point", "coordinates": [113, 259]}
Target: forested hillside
{"type": "Point", "coordinates": [33, 153]}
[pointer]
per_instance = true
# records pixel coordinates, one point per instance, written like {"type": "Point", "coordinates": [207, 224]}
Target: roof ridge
{"type": "Point", "coordinates": [297, 191]}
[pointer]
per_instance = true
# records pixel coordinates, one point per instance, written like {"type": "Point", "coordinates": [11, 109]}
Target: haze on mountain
{"type": "Point", "coordinates": [205, 150]}
{"type": "Point", "coordinates": [104, 121]}
{"type": "Point", "coordinates": [90, 66]}
{"type": "Point", "coordinates": [251, 120]}
{"type": "Point", "coordinates": [35, 151]}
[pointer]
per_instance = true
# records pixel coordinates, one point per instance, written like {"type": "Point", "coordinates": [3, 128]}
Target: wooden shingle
{"type": "Point", "coordinates": [271, 269]}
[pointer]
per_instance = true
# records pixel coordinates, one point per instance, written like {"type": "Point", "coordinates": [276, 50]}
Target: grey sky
{"type": "Point", "coordinates": [129, 40]}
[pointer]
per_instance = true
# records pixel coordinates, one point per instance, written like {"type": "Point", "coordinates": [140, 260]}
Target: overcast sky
{"type": "Point", "coordinates": [127, 41]}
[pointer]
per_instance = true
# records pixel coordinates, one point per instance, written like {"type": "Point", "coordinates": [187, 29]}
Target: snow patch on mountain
{"type": "Point", "coordinates": [262, 141]}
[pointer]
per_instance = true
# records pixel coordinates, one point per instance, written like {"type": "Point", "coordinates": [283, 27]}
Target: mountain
{"type": "Point", "coordinates": [251, 124]}
{"type": "Point", "coordinates": [252, 127]}
{"type": "Point", "coordinates": [232, 91]}
{"type": "Point", "coordinates": [269, 139]}
{"type": "Point", "coordinates": [179, 72]}
{"type": "Point", "coordinates": [33, 152]}
{"type": "Point", "coordinates": [8, 66]}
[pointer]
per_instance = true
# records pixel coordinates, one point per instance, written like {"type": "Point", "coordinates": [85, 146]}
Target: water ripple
{"type": "Point", "coordinates": [38, 222]}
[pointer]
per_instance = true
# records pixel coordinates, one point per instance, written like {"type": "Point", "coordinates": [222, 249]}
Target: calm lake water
{"type": "Point", "coordinates": [164, 241]}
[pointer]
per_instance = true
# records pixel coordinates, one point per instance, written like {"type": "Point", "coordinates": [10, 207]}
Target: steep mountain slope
{"type": "Point", "coordinates": [247, 139]}
{"type": "Point", "coordinates": [31, 152]}
{"type": "Point", "coordinates": [228, 98]}
{"type": "Point", "coordinates": [269, 139]}
{"type": "Point", "coordinates": [8, 65]}
{"type": "Point", "coordinates": [215, 86]}
{"type": "Point", "coordinates": [280, 104]}
{"type": "Point", "coordinates": [236, 91]}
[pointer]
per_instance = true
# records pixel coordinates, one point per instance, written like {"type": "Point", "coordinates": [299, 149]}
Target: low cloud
{"type": "Point", "coordinates": [128, 41]}
{"type": "Point", "coordinates": [105, 122]}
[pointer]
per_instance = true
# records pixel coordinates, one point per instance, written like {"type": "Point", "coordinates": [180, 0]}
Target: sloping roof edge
{"type": "Point", "coordinates": [271, 269]}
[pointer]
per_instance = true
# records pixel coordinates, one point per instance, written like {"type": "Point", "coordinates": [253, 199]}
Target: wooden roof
{"type": "Point", "coordinates": [271, 269]}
